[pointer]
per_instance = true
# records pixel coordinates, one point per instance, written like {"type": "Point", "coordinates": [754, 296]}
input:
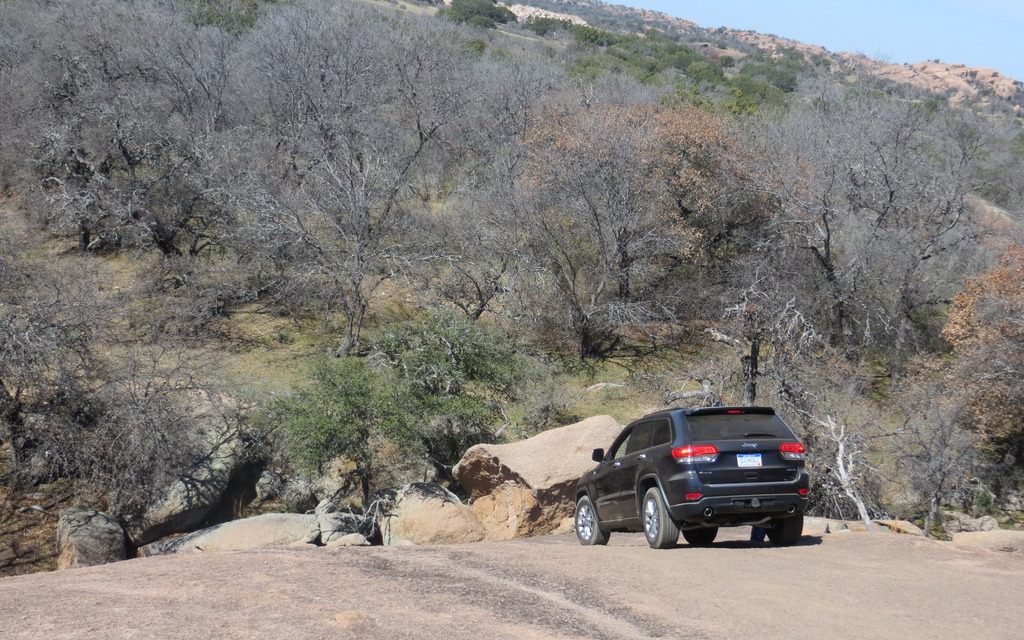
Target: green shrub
{"type": "Point", "coordinates": [544, 26]}
{"type": "Point", "coordinates": [432, 388]}
{"type": "Point", "coordinates": [591, 37]}
{"type": "Point", "coordinates": [480, 13]}
{"type": "Point", "coordinates": [458, 375]}
{"type": "Point", "coordinates": [349, 410]}
{"type": "Point", "coordinates": [481, 21]}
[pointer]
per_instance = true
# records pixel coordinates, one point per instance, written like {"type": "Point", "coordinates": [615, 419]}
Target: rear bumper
{"type": "Point", "coordinates": [747, 508]}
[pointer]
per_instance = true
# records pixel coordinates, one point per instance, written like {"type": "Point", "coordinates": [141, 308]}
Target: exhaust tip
{"type": "Point", "coordinates": [709, 512]}
{"type": "Point", "coordinates": [791, 509]}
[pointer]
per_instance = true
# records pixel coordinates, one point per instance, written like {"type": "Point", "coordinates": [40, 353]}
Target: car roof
{"type": "Point", "coordinates": [706, 411]}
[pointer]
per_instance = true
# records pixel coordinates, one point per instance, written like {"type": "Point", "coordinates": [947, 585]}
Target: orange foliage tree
{"type": "Point", "coordinates": [986, 330]}
{"type": "Point", "coordinates": [624, 197]}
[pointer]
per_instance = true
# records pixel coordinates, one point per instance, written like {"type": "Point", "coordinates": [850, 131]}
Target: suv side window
{"type": "Point", "coordinates": [641, 438]}
{"type": "Point", "coordinates": [662, 433]}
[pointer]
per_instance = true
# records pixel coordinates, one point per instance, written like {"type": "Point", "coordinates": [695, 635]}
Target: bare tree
{"type": "Point", "coordinates": [847, 462]}
{"type": "Point", "coordinates": [357, 105]}
{"type": "Point", "coordinates": [82, 397]}
{"type": "Point", "coordinates": [149, 418]}
{"type": "Point", "coordinates": [602, 232]}
{"type": "Point", "coordinates": [121, 153]}
{"type": "Point", "coordinates": [936, 455]}
{"type": "Point", "coordinates": [873, 185]}
{"type": "Point", "coordinates": [48, 322]}
{"type": "Point", "coordinates": [767, 330]}
{"type": "Point", "coordinates": [478, 236]}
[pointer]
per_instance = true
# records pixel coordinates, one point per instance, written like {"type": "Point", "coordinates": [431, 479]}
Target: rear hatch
{"type": "Point", "coordinates": [748, 443]}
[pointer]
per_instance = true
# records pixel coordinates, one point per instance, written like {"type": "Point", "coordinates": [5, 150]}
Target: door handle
{"type": "Point", "coordinates": [616, 464]}
{"type": "Point", "coordinates": [642, 456]}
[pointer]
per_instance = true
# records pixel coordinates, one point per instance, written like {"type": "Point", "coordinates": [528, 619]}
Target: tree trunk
{"type": "Point", "coordinates": [838, 302]}
{"type": "Point", "coordinates": [934, 515]}
{"type": "Point", "coordinates": [899, 347]}
{"type": "Point", "coordinates": [625, 263]}
{"type": "Point", "coordinates": [84, 238]}
{"type": "Point", "coordinates": [846, 461]}
{"type": "Point", "coordinates": [750, 372]}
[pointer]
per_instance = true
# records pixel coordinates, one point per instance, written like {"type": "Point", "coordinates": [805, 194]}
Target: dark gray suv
{"type": "Point", "coordinates": [695, 470]}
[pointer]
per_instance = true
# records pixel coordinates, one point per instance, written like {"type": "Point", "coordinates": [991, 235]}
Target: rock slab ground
{"type": "Point", "coordinates": [841, 585]}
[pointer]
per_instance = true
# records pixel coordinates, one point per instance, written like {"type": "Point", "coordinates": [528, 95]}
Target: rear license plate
{"type": "Point", "coordinates": [748, 459]}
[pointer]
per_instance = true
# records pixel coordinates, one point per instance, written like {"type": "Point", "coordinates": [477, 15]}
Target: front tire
{"type": "Point", "coordinates": [659, 528]}
{"type": "Point", "coordinates": [787, 531]}
{"type": "Point", "coordinates": [588, 532]}
{"type": "Point", "coordinates": [702, 537]}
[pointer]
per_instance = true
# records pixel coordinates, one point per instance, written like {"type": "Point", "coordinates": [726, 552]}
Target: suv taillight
{"type": "Point", "coordinates": [696, 453]}
{"type": "Point", "coordinates": [792, 450]}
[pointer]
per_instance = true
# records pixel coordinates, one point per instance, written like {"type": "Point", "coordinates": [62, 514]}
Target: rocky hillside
{"type": "Point", "coordinates": [957, 81]}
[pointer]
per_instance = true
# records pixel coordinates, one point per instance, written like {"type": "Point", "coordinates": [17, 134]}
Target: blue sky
{"type": "Point", "coordinates": [978, 33]}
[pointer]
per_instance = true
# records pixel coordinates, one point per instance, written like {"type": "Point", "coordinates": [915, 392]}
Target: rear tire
{"type": "Point", "coordinates": [702, 537]}
{"type": "Point", "coordinates": [659, 528]}
{"type": "Point", "coordinates": [588, 532]}
{"type": "Point", "coordinates": [787, 531]}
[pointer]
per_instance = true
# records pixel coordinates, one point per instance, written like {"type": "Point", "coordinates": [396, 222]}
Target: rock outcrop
{"type": "Point", "coordinates": [328, 525]}
{"type": "Point", "coordinates": [526, 14]}
{"type": "Point", "coordinates": [528, 488]}
{"type": "Point", "coordinates": [998, 540]}
{"type": "Point", "coordinates": [86, 538]}
{"type": "Point", "coordinates": [267, 530]}
{"type": "Point", "coordinates": [963, 523]}
{"type": "Point", "coordinates": [425, 513]}
{"type": "Point", "coordinates": [901, 526]}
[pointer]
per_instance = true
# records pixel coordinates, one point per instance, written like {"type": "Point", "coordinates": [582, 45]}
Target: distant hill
{"type": "Point", "coordinates": [957, 81]}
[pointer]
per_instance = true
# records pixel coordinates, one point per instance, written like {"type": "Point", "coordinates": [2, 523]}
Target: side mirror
{"type": "Point", "coordinates": [597, 455]}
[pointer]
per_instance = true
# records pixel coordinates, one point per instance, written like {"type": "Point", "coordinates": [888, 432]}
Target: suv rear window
{"type": "Point", "coordinates": [737, 427]}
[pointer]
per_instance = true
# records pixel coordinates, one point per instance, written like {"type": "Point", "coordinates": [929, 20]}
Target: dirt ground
{"type": "Point", "coordinates": [838, 585]}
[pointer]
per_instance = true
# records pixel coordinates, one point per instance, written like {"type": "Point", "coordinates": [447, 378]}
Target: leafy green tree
{"type": "Point", "coordinates": [458, 377]}
{"type": "Point", "coordinates": [480, 13]}
{"type": "Point", "coordinates": [747, 95]}
{"type": "Point", "coordinates": [234, 15]}
{"type": "Point", "coordinates": [349, 409]}
{"type": "Point", "coordinates": [432, 389]}
{"type": "Point", "coordinates": [702, 71]}
{"type": "Point", "coordinates": [544, 26]}
{"type": "Point", "coordinates": [591, 37]}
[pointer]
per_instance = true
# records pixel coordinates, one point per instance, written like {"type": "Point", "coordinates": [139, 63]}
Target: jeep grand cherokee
{"type": "Point", "coordinates": [695, 470]}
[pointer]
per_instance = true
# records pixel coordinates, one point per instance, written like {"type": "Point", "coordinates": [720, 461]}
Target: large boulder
{"type": "Point", "coordinates": [267, 530]}
{"type": "Point", "coordinates": [529, 488]}
{"type": "Point", "coordinates": [86, 538]}
{"type": "Point", "coordinates": [511, 510]}
{"type": "Point", "coordinates": [424, 513]}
